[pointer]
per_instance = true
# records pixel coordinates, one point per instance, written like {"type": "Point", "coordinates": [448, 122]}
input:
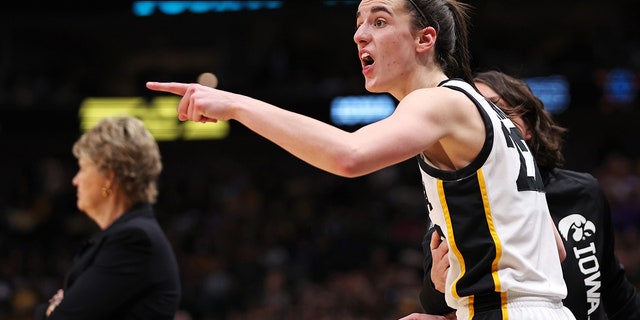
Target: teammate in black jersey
{"type": "Point", "coordinates": [598, 288]}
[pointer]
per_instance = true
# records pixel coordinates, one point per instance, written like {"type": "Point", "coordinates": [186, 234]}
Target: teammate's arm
{"type": "Point", "coordinates": [562, 252]}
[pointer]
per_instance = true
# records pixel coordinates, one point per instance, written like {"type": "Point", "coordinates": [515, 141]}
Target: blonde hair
{"type": "Point", "coordinates": [125, 146]}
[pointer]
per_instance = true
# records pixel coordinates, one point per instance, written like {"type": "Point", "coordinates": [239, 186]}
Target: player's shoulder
{"type": "Point", "coordinates": [441, 101]}
{"type": "Point", "coordinates": [575, 176]}
{"type": "Point", "coordinates": [568, 180]}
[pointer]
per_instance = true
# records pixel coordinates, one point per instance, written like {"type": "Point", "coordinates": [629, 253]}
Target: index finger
{"type": "Point", "coordinates": [170, 87]}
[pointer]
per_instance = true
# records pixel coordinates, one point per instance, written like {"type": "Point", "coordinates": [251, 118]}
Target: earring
{"type": "Point", "coordinates": [106, 192]}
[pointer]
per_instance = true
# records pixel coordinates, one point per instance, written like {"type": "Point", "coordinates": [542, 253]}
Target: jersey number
{"type": "Point", "coordinates": [529, 178]}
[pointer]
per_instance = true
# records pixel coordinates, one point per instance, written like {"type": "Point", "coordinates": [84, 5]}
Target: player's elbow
{"type": "Point", "coordinates": [350, 166]}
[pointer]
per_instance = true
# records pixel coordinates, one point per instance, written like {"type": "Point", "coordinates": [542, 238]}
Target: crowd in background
{"type": "Point", "coordinates": [262, 236]}
{"type": "Point", "coordinates": [253, 238]}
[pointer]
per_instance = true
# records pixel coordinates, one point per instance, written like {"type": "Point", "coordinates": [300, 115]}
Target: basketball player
{"type": "Point", "coordinates": [597, 286]}
{"type": "Point", "coordinates": [481, 183]}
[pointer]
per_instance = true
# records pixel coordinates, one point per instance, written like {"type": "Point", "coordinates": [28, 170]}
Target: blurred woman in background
{"type": "Point", "coordinates": [128, 270]}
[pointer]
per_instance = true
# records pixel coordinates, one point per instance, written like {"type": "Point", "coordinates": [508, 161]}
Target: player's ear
{"type": "Point", "coordinates": [426, 39]}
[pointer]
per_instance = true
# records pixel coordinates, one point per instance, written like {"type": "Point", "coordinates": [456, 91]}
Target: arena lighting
{"type": "Point", "coordinates": [620, 86]}
{"type": "Point", "coordinates": [338, 2]}
{"type": "Point", "coordinates": [159, 116]}
{"type": "Point", "coordinates": [147, 8]}
{"type": "Point", "coordinates": [361, 110]}
{"type": "Point", "coordinates": [552, 90]}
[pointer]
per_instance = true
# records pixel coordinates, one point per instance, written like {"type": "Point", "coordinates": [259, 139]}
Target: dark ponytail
{"type": "Point", "coordinates": [450, 18]}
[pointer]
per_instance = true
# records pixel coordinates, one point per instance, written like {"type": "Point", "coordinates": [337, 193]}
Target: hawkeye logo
{"type": "Point", "coordinates": [159, 116]}
{"type": "Point", "coordinates": [576, 229]}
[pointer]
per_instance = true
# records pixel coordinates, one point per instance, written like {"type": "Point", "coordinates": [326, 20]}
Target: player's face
{"type": "Point", "coordinates": [490, 94]}
{"type": "Point", "coordinates": [386, 45]}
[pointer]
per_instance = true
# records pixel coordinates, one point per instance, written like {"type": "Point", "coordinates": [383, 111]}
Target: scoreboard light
{"type": "Point", "coordinates": [552, 90]}
{"type": "Point", "coordinates": [147, 8]}
{"type": "Point", "coordinates": [159, 117]}
{"type": "Point", "coordinates": [620, 86]}
{"type": "Point", "coordinates": [361, 110]}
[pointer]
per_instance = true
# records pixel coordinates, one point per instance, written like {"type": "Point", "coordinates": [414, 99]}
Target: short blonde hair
{"type": "Point", "coordinates": [123, 144]}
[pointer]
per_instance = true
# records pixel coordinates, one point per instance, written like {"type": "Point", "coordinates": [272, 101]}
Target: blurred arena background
{"type": "Point", "coordinates": [260, 234]}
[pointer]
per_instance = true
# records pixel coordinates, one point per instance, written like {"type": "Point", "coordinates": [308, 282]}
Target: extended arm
{"type": "Point", "coordinates": [418, 122]}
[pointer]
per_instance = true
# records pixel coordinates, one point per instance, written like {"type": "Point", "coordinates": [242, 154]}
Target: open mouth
{"type": "Point", "coordinates": [366, 58]}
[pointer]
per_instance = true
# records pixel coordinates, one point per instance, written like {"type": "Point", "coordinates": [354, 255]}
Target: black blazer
{"type": "Point", "coordinates": [127, 271]}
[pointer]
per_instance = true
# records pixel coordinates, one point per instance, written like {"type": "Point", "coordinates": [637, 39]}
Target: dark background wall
{"type": "Point", "coordinates": [299, 56]}
{"type": "Point", "coordinates": [240, 210]}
